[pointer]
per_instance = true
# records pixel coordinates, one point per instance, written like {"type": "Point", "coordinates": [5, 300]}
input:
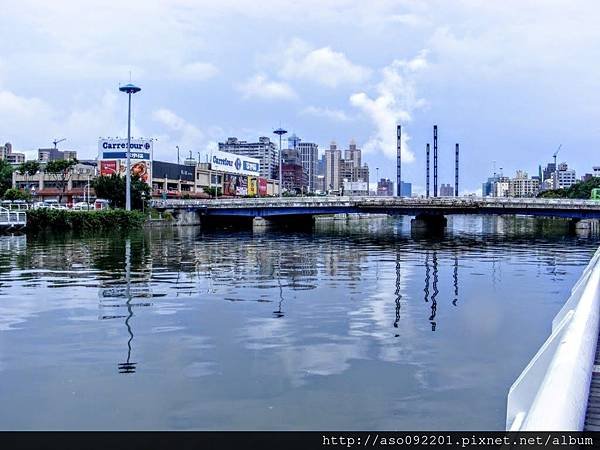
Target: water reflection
{"type": "Point", "coordinates": [281, 327]}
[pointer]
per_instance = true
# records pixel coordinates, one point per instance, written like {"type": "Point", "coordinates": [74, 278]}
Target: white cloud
{"type": "Point", "coordinates": [337, 115]}
{"type": "Point", "coordinates": [180, 132]}
{"type": "Point", "coordinates": [394, 103]}
{"type": "Point", "coordinates": [259, 86]}
{"type": "Point", "coordinates": [196, 71]}
{"type": "Point", "coordinates": [323, 65]}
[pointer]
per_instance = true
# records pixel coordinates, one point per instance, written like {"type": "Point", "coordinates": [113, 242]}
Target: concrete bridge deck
{"type": "Point", "coordinates": [272, 207]}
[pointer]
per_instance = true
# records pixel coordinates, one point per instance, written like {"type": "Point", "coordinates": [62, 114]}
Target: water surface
{"type": "Point", "coordinates": [360, 327]}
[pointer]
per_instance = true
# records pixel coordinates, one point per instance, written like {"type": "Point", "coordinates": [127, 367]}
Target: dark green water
{"type": "Point", "coordinates": [361, 327]}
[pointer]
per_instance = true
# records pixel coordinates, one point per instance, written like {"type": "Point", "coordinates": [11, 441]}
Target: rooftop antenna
{"type": "Point", "coordinates": [58, 141]}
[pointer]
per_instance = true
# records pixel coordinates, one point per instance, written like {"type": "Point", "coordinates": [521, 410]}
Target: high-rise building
{"type": "Point", "coordinates": [596, 171]}
{"type": "Point", "coordinates": [385, 187]}
{"type": "Point", "coordinates": [446, 190]}
{"type": "Point", "coordinates": [333, 158]}
{"type": "Point", "coordinates": [523, 186]}
{"type": "Point", "coordinates": [264, 150]}
{"type": "Point", "coordinates": [309, 154]}
{"type": "Point", "coordinates": [7, 154]}
{"type": "Point", "coordinates": [548, 171]}
{"type": "Point", "coordinates": [563, 178]}
{"type": "Point", "coordinates": [405, 189]}
{"type": "Point", "coordinates": [352, 153]}
{"type": "Point", "coordinates": [295, 179]}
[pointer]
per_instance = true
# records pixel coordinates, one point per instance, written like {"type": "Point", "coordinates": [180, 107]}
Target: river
{"type": "Point", "coordinates": [354, 327]}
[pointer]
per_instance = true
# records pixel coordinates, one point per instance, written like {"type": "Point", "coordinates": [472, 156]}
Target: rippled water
{"type": "Point", "coordinates": [360, 327]}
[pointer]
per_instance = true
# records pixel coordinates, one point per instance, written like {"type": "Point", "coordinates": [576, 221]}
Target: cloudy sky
{"type": "Point", "coordinates": [510, 80]}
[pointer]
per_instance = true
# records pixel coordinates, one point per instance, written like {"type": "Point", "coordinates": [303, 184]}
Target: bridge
{"type": "Point", "coordinates": [428, 212]}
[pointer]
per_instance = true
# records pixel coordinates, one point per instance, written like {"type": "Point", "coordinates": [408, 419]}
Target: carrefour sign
{"type": "Point", "coordinates": [231, 163]}
{"type": "Point", "coordinates": [141, 149]}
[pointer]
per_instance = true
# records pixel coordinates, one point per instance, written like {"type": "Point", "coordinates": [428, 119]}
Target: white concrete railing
{"type": "Point", "coordinates": [552, 392]}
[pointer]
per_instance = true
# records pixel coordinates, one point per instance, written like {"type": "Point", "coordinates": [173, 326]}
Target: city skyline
{"type": "Point", "coordinates": [505, 73]}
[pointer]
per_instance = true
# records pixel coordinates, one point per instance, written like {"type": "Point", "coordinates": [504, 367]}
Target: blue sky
{"type": "Point", "coordinates": [510, 80]}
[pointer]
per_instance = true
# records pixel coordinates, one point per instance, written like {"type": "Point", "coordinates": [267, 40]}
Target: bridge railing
{"type": "Point", "coordinates": [450, 202]}
{"type": "Point", "coordinates": [552, 391]}
{"type": "Point", "coordinates": [12, 217]}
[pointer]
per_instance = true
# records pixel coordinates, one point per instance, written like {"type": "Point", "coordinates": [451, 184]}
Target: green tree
{"type": "Point", "coordinates": [28, 169]}
{"type": "Point", "coordinates": [582, 190]}
{"type": "Point", "coordinates": [6, 171]}
{"type": "Point", "coordinates": [61, 171]}
{"type": "Point", "coordinates": [112, 188]}
{"type": "Point", "coordinates": [16, 194]}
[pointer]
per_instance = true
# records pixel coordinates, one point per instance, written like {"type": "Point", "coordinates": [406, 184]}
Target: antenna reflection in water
{"type": "Point", "coordinates": [397, 292]}
{"type": "Point", "coordinates": [435, 292]}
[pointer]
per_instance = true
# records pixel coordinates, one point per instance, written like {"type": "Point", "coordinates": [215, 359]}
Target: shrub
{"type": "Point", "coordinates": [64, 220]}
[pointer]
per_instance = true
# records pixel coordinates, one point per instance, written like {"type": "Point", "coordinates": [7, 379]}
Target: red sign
{"type": "Point", "coordinates": [108, 167]}
{"type": "Point", "coordinates": [262, 187]}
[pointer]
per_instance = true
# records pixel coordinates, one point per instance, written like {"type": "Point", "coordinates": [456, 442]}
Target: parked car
{"type": "Point", "coordinates": [83, 206]}
{"type": "Point", "coordinates": [101, 203]}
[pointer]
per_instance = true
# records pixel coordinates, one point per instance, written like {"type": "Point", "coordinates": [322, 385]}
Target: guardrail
{"type": "Point", "coordinates": [480, 202]}
{"type": "Point", "coordinates": [552, 391]}
{"type": "Point", "coordinates": [12, 218]}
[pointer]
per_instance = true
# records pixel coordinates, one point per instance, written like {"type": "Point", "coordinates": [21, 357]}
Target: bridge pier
{"type": "Point", "coordinates": [261, 224]}
{"type": "Point", "coordinates": [429, 223]}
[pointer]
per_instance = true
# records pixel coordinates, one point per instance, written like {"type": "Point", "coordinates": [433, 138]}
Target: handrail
{"type": "Point", "coordinates": [552, 391]}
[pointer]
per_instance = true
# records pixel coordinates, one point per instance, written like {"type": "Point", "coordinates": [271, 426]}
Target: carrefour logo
{"type": "Point", "coordinates": [238, 164]}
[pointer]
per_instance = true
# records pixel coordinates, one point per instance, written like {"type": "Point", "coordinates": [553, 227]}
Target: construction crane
{"type": "Point", "coordinates": [555, 184]}
{"type": "Point", "coordinates": [58, 141]}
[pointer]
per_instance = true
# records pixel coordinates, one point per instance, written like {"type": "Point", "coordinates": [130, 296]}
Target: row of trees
{"type": "Point", "coordinates": [111, 188]}
{"type": "Point", "coordinates": [583, 190]}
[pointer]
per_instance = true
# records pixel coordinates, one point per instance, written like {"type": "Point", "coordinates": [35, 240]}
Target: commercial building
{"type": "Point", "coordinates": [72, 187]}
{"type": "Point", "coordinates": [264, 150]}
{"type": "Point", "coordinates": [7, 154]}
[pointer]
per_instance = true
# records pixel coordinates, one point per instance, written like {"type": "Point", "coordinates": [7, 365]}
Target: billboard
{"type": "Point", "coordinates": [172, 171]}
{"type": "Point", "coordinates": [235, 185]}
{"type": "Point", "coordinates": [112, 154]}
{"type": "Point", "coordinates": [262, 187]}
{"type": "Point", "coordinates": [252, 186]}
{"type": "Point", "coordinates": [108, 167]}
{"type": "Point", "coordinates": [237, 164]}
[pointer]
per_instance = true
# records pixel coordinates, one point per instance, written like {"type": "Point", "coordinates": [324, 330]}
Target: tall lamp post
{"type": "Point", "coordinates": [377, 185]}
{"type": "Point", "coordinates": [128, 89]}
{"type": "Point", "coordinates": [280, 131]}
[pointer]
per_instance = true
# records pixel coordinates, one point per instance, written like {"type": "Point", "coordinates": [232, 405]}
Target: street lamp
{"type": "Point", "coordinates": [280, 131]}
{"type": "Point", "coordinates": [128, 89]}
{"type": "Point", "coordinates": [377, 180]}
